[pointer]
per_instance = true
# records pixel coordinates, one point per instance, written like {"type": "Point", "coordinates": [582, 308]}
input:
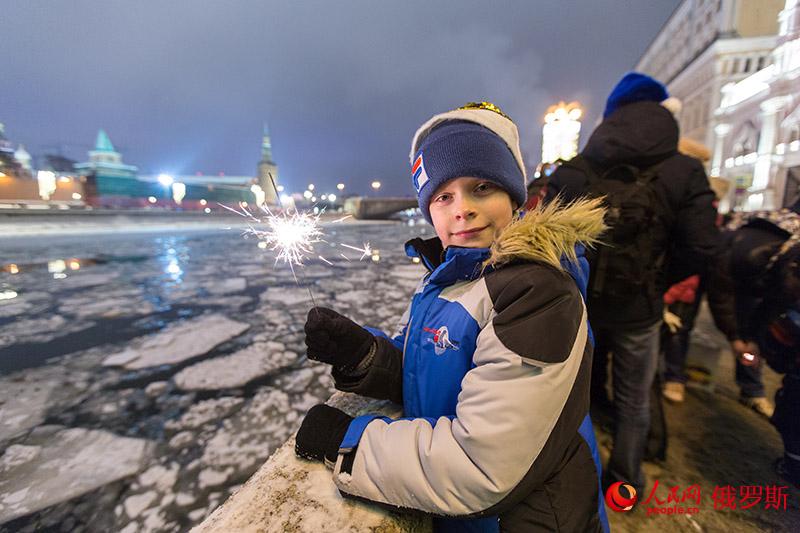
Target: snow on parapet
{"type": "Point", "coordinates": [291, 494]}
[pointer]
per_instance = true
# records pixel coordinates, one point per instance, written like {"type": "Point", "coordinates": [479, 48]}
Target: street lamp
{"type": "Point", "coordinates": [376, 185]}
{"type": "Point", "coordinates": [340, 186]}
{"type": "Point", "coordinates": [310, 186]}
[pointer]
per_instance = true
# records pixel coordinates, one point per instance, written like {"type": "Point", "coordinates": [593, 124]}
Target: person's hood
{"type": "Point", "coordinates": [642, 133]}
{"type": "Point", "coordinates": [550, 233]}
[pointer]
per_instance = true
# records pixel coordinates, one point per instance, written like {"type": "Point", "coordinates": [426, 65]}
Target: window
{"type": "Point", "coordinates": [760, 63]}
{"type": "Point", "coordinates": [735, 66]}
{"type": "Point", "coordinates": [746, 65]}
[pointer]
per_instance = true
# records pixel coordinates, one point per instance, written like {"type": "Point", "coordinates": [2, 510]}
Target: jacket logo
{"type": "Point", "coordinates": [441, 340]}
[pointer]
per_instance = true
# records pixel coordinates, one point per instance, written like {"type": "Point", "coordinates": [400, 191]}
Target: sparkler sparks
{"type": "Point", "coordinates": [292, 236]}
{"type": "Point", "coordinates": [365, 251]}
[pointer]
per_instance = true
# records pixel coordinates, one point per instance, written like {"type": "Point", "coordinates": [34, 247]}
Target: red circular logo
{"type": "Point", "coordinates": [621, 501]}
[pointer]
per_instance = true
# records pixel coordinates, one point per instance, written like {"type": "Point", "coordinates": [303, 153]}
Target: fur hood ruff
{"type": "Point", "coordinates": [549, 232]}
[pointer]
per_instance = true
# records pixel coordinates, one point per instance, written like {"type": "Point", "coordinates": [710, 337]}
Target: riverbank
{"type": "Point", "coordinates": [16, 224]}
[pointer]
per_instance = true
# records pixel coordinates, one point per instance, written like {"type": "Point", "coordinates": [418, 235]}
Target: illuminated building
{"type": "Point", "coordinates": [267, 167]}
{"type": "Point", "coordinates": [561, 132]}
{"type": "Point", "coordinates": [757, 127]}
{"type": "Point", "coordinates": [705, 45]}
{"type": "Point", "coordinates": [110, 183]}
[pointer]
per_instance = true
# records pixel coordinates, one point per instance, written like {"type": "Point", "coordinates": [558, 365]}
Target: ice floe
{"type": "Point", "coordinates": [235, 370]}
{"type": "Point", "coordinates": [71, 462]}
{"type": "Point", "coordinates": [178, 342]}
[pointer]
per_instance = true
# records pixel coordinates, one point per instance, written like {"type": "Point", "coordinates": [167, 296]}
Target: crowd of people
{"type": "Point", "coordinates": [526, 304]}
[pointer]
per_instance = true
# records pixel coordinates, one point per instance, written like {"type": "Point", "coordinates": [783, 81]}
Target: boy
{"type": "Point", "coordinates": [493, 358]}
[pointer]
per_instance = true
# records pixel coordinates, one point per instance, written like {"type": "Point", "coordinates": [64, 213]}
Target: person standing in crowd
{"type": "Point", "coordinates": [682, 300]}
{"type": "Point", "coordinates": [659, 205]}
{"type": "Point", "coordinates": [492, 360]}
{"type": "Point", "coordinates": [754, 296]}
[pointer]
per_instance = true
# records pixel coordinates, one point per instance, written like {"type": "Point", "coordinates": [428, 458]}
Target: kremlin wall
{"type": "Point", "coordinates": [105, 181]}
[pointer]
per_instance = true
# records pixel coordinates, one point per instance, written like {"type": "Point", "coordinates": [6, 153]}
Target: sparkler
{"type": "Point", "coordinates": [291, 235]}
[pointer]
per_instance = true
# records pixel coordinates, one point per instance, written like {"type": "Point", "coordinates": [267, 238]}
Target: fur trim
{"type": "Point", "coordinates": [674, 105]}
{"type": "Point", "coordinates": [695, 149]}
{"type": "Point", "coordinates": [549, 232]}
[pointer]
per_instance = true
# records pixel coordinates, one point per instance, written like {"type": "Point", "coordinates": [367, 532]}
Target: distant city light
{"type": "Point", "coordinates": [258, 192]}
{"type": "Point", "coordinates": [203, 201]}
{"type": "Point", "coordinates": [310, 186]}
{"type": "Point", "coordinates": [14, 269]}
{"type": "Point", "coordinates": [165, 179]}
{"type": "Point", "coordinates": [76, 196]}
{"type": "Point", "coordinates": [178, 192]}
{"type": "Point", "coordinates": [262, 244]}
{"type": "Point", "coordinates": [313, 198]}
{"type": "Point", "coordinates": [152, 199]}
{"type": "Point", "coordinates": [74, 264]}
{"type": "Point", "coordinates": [376, 185]}
{"type": "Point", "coordinates": [207, 209]}
{"type": "Point", "coordinates": [332, 197]}
{"type": "Point", "coordinates": [561, 132]}
{"type": "Point", "coordinates": [47, 183]}
{"type": "Point", "coordinates": [307, 194]}
{"type": "Point", "coordinates": [340, 186]}
{"type": "Point", "coordinates": [56, 266]}
{"type": "Point", "coordinates": [324, 197]}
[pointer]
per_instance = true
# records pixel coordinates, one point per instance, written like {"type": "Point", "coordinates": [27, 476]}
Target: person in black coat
{"type": "Point", "coordinates": [754, 296]}
{"type": "Point", "coordinates": [639, 131]}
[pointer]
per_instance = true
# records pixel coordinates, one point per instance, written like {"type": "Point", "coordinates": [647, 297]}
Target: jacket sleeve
{"type": "Point", "coordinates": [696, 234]}
{"type": "Point", "coordinates": [518, 411]}
{"type": "Point", "coordinates": [720, 295]}
{"type": "Point", "coordinates": [384, 375]}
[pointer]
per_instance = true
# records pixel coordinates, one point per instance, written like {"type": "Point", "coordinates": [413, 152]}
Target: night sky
{"type": "Point", "coordinates": [185, 86]}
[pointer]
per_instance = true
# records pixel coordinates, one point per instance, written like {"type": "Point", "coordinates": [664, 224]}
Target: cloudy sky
{"type": "Point", "coordinates": [183, 86]}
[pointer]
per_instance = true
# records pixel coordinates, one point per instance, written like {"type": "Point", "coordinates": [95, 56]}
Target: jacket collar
{"type": "Point", "coordinates": [449, 265]}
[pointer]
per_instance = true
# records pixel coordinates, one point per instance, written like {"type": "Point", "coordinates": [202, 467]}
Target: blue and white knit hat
{"type": "Point", "coordinates": [477, 140]}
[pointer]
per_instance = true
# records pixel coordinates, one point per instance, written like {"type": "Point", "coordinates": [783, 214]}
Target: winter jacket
{"type": "Point", "coordinates": [645, 134]}
{"type": "Point", "coordinates": [492, 367]}
{"type": "Point", "coordinates": [742, 293]}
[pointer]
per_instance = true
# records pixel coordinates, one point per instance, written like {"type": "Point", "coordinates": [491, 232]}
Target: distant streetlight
{"type": "Point", "coordinates": [307, 195]}
{"type": "Point", "coordinates": [340, 186]}
{"type": "Point", "coordinates": [376, 185]}
{"type": "Point", "coordinates": [332, 197]}
{"type": "Point", "coordinates": [310, 186]}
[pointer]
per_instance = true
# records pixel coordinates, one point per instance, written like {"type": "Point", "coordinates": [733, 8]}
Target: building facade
{"type": "Point", "coordinates": [757, 126]}
{"type": "Point", "coordinates": [706, 44]}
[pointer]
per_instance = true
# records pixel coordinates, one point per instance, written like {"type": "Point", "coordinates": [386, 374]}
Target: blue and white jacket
{"type": "Point", "coordinates": [492, 366]}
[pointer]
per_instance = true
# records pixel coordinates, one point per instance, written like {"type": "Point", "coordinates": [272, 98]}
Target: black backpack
{"type": "Point", "coordinates": [632, 254]}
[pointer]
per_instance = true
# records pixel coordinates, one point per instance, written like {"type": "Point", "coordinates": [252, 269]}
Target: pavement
{"type": "Point", "coordinates": [723, 448]}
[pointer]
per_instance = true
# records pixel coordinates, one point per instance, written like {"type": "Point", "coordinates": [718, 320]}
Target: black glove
{"type": "Point", "coordinates": [321, 433]}
{"type": "Point", "coordinates": [335, 339]}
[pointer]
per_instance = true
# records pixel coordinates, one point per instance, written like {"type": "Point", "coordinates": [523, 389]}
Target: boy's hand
{"type": "Point", "coordinates": [335, 339]}
{"type": "Point", "coordinates": [321, 433]}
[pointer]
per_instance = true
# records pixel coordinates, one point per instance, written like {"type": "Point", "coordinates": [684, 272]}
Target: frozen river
{"type": "Point", "coordinates": [143, 377]}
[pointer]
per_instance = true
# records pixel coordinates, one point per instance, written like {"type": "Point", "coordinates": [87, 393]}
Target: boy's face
{"type": "Point", "coordinates": [470, 212]}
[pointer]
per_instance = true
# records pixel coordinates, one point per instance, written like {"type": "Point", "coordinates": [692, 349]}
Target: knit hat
{"type": "Point", "coordinates": [635, 87]}
{"type": "Point", "coordinates": [476, 140]}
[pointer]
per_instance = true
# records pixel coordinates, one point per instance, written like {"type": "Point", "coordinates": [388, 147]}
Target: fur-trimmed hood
{"type": "Point", "coordinates": [549, 232]}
